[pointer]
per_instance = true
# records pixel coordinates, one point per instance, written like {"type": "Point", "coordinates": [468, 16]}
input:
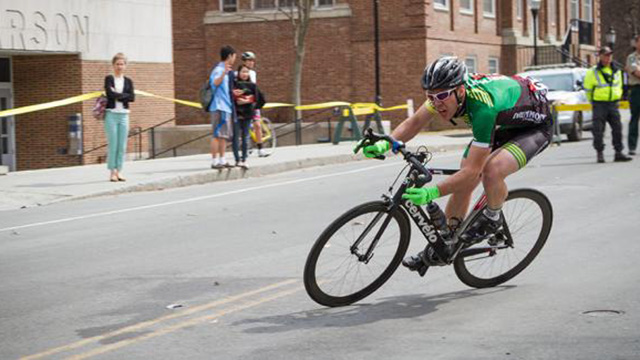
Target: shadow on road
{"type": "Point", "coordinates": [398, 307]}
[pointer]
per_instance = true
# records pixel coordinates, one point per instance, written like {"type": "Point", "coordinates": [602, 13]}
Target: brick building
{"type": "Point", "coordinates": [491, 35]}
{"type": "Point", "coordinates": [61, 48]}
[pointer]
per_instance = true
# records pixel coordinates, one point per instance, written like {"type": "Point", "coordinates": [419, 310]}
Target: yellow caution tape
{"type": "Point", "coordinates": [585, 107]}
{"type": "Point", "coordinates": [276, 105]}
{"type": "Point", "coordinates": [322, 105]}
{"type": "Point", "coordinates": [183, 102]}
{"type": "Point", "coordinates": [358, 108]}
{"type": "Point", "coordinates": [50, 105]}
{"type": "Point", "coordinates": [377, 107]}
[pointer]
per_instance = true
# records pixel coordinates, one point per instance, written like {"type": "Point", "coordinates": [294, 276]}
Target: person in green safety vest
{"type": "Point", "coordinates": [603, 84]}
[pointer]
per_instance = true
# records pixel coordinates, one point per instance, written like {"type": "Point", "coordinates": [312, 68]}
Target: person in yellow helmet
{"type": "Point", "coordinates": [603, 84]}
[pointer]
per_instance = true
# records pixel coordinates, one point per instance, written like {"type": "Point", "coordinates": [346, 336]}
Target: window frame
{"type": "Point", "coordinates": [519, 9]}
{"type": "Point", "coordinates": [587, 15]}
{"type": "Point", "coordinates": [497, 61]}
{"type": "Point", "coordinates": [551, 8]}
{"type": "Point", "coordinates": [276, 5]}
{"type": "Point", "coordinates": [491, 14]}
{"type": "Point", "coordinates": [438, 6]}
{"type": "Point", "coordinates": [475, 63]}
{"type": "Point", "coordinates": [574, 25]}
{"type": "Point", "coordinates": [222, 7]}
{"type": "Point", "coordinates": [253, 6]}
{"type": "Point", "coordinates": [469, 10]}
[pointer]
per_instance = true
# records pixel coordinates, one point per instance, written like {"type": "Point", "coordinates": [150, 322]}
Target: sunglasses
{"type": "Point", "coordinates": [441, 96]}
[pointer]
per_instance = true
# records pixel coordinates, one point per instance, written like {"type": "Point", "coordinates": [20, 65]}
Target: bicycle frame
{"type": "Point", "coordinates": [422, 219]}
{"type": "Point", "coordinates": [266, 132]}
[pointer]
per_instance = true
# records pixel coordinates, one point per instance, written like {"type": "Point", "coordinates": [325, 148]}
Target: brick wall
{"type": "Point", "coordinates": [339, 62]}
{"type": "Point", "coordinates": [191, 61]}
{"type": "Point", "coordinates": [41, 137]}
{"type": "Point", "coordinates": [156, 78]}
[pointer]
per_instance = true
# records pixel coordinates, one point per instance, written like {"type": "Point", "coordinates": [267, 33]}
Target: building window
{"type": "Point", "coordinates": [574, 13]}
{"type": "Point", "coordinates": [264, 4]}
{"type": "Point", "coordinates": [229, 5]}
{"type": "Point", "coordinates": [272, 4]}
{"type": "Point", "coordinates": [552, 11]}
{"type": "Point", "coordinates": [587, 10]}
{"type": "Point", "coordinates": [519, 9]}
{"type": "Point", "coordinates": [441, 4]}
{"type": "Point", "coordinates": [489, 8]}
{"type": "Point", "coordinates": [494, 66]}
{"type": "Point", "coordinates": [470, 61]}
{"type": "Point", "coordinates": [466, 6]}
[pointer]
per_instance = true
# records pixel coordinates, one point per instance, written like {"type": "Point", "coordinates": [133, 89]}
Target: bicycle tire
{"type": "Point", "coordinates": [317, 286]}
{"type": "Point", "coordinates": [269, 142]}
{"type": "Point", "coordinates": [469, 273]}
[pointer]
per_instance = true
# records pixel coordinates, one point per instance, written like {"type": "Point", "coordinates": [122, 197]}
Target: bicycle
{"type": "Point", "coordinates": [268, 137]}
{"type": "Point", "coordinates": [360, 250]}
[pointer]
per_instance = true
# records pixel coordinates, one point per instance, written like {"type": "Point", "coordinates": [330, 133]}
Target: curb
{"type": "Point", "coordinates": [209, 176]}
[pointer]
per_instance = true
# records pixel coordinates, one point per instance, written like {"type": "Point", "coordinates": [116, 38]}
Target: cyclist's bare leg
{"type": "Point", "coordinates": [500, 165]}
{"type": "Point", "coordinates": [458, 203]}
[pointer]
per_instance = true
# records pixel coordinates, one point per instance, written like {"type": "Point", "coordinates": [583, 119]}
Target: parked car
{"type": "Point", "coordinates": [565, 87]}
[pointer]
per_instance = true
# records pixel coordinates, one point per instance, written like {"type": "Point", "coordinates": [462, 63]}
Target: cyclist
{"type": "Point", "coordinates": [249, 60]}
{"type": "Point", "coordinates": [511, 123]}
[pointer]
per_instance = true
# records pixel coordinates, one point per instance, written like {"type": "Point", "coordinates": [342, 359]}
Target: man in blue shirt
{"type": "Point", "coordinates": [221, 107]}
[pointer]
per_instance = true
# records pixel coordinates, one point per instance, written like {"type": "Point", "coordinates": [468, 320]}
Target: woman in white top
{"type": "Point", "coordinates": [120, 93]}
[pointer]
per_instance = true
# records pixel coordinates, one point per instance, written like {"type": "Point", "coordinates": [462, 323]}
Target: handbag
{"type": "Point", "coordinates": [99, 107]}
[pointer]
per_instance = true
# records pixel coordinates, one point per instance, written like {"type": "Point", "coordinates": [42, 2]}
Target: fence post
{"type": "Point", "coordinates": [153, 142]}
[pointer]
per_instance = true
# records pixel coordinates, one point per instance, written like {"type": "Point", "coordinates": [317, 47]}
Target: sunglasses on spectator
{"type": "Point", "coordinates": [441, 96]}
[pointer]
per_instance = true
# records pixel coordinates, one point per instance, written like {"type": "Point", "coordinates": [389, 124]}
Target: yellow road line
{"type": "Point", "coordinates": [146, 324]}
{"type": "Point", "coordinates": [106, 348]}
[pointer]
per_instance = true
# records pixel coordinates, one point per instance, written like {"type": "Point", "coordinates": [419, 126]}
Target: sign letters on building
{"type": "Point", "coordinates": [44, 31]}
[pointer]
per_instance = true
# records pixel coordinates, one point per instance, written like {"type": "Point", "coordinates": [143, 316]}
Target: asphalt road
{"type": "Point", "coordinates": [96, 279]}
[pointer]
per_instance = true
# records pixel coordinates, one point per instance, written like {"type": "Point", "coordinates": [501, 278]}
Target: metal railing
{"type": "Point", "coordinates": [305, 124]}
{"type": "Point", "coordinates": [137, 132]}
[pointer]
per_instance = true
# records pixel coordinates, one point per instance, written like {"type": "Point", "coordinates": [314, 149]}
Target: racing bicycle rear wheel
{"type": "Point", "coordinates": [338, 271]}
{"type": "Point", "coordinates": [528, 216]}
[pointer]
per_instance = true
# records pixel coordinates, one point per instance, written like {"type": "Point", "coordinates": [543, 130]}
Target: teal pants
{"type": "Point", "coordinates": [116, 126]}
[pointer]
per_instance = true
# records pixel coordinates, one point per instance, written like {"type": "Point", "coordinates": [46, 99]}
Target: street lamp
{"type": "Point", "coordinates": [535, 8]}
{"type": "Point", "coordinates": [376, 32]}
{"type": "Point", "coordinates": [610, 37]}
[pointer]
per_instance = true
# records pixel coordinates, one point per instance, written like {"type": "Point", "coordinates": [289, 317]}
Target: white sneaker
{"type": "Point", "coordinates": [262, 153]}
{"type": "Point", "coordinates": [215, 164]}
{"type": "Point", "coordinates": [224, 163]}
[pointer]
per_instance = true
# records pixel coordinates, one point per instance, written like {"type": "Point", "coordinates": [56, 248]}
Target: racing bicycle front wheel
{"type": "Point", "coordinates": [528, 217]}
{"type": "Point", "coordinates": [346, 263]}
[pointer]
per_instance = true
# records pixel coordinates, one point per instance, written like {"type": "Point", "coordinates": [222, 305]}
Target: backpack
{"type": "Point", "coordinates": [99, 107]}
{"type": "Point", "coordinates": [206, 93]}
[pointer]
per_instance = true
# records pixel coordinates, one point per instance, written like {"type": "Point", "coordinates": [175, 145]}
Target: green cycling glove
{"type": "Point", "coordinates": [421, 196]}
{"type": "Point", "coordinates": [377, 149]}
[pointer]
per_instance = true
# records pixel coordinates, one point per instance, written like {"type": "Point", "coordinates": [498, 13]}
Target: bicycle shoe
{"type": "Point", "coordinates": [415, 263]}
{"type": "Point", "coordinates": [481, 229]}
{"type": "Point", "coordinates": [422, 260]}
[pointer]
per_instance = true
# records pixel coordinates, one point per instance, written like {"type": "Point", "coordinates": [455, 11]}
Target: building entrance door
{"type": "Point", "coordinates": [7, 133]}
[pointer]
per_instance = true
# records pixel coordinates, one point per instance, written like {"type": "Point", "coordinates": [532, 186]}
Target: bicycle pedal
{"type": "Point", "coordinates": [422, 270]}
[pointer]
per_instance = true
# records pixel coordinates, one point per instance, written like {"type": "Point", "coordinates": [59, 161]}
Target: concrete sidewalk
{"type": "Point", "coordinates": [40, 187]}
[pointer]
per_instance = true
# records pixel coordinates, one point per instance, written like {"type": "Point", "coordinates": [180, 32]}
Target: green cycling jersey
{"type": "Point", "coordinates": [495, 102]}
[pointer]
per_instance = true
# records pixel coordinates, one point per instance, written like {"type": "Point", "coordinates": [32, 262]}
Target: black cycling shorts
{"type": "Point", "coordinates": [523, 143]}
